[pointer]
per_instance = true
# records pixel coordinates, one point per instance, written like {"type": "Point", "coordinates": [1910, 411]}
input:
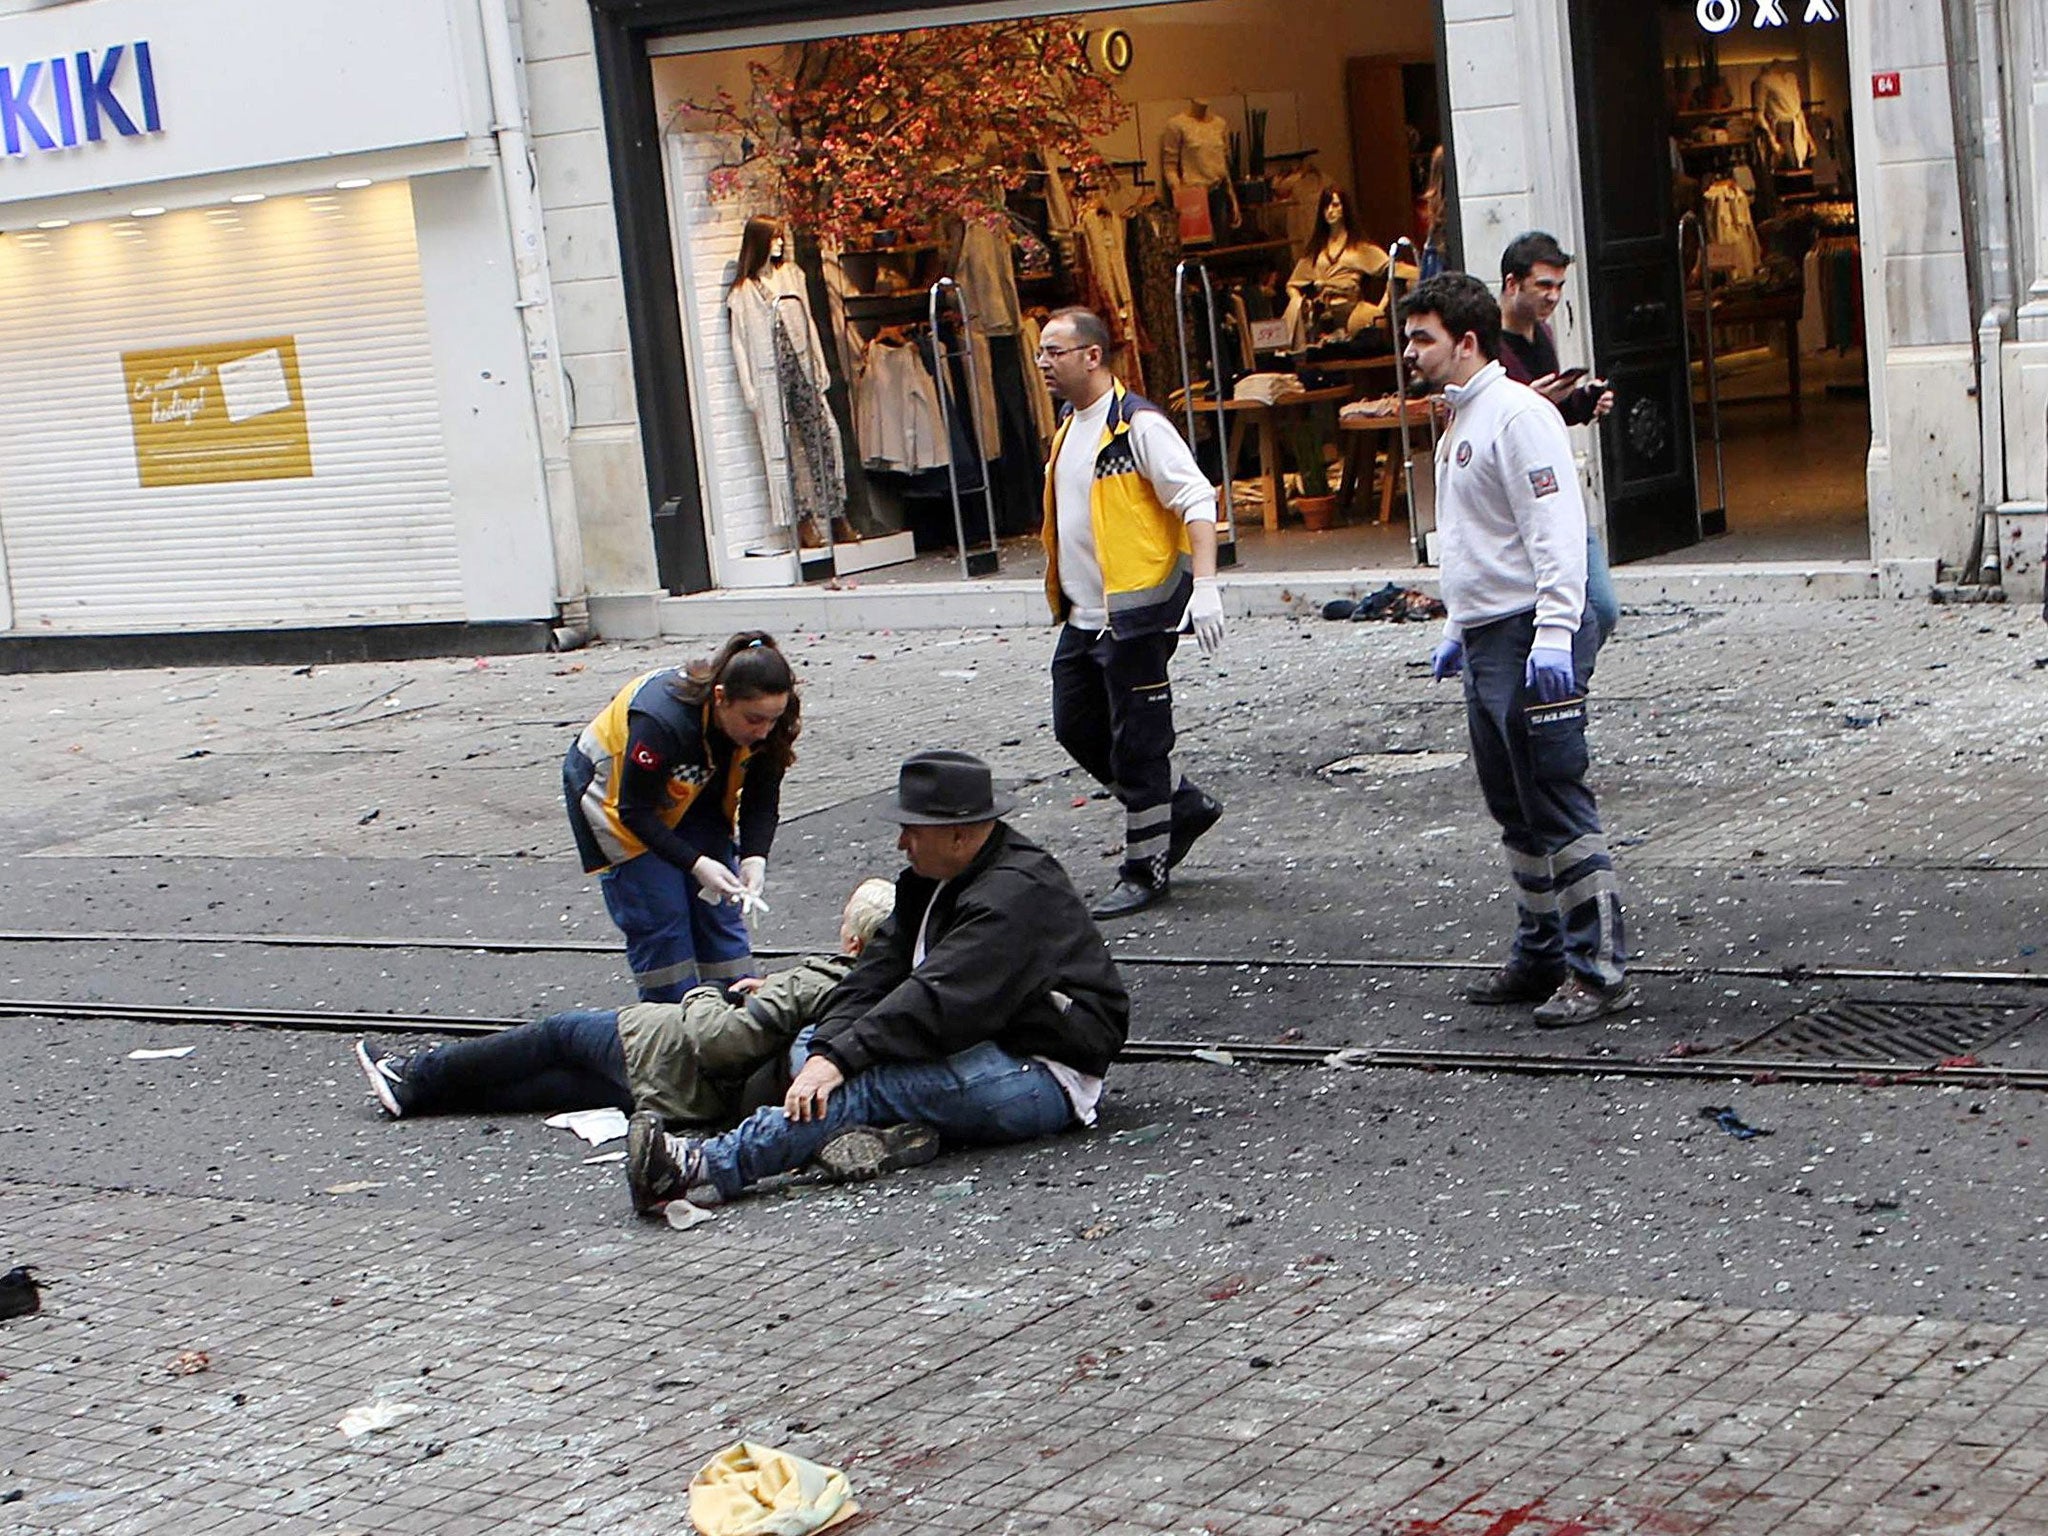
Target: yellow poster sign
{"type": "Point", "coordinates": [218, 412]}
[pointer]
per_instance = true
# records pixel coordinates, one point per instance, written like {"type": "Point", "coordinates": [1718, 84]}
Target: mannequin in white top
{"type": "Point", "coordinates": [1778, 99]}
{"type": "Point", "coordinates": [1194, 149]}
{"type": "Point", "coordinates": [768, 292]}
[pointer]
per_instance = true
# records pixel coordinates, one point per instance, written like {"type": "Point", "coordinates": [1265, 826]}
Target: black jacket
{"type": "Point", "coordinates": [1011, 955]}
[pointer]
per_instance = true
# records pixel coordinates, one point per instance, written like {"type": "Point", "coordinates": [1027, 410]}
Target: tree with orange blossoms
{"type": "Point", "coordinates": [895, 131]}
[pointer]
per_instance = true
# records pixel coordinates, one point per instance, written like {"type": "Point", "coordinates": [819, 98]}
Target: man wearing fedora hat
{"type": "Point", "coordinates": [986, 1010]}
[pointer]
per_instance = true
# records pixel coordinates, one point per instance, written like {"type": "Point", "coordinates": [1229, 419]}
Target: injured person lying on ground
{"type": "Point", "coordinates": [689, 1063]}
{"type": "Point", "coordinates": [986, 1011]}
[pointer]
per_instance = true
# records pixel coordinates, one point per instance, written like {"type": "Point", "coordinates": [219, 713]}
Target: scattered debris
{"type": "Point", "coordinates": [1139, 1136]}
{"type": "Point", "coordinates": [371, 1417]}
{"type": "Point", "coordinates": [596, 1126]}
{"type": "Point", "coordinates": [1724, 1116]}
{"type": "Point", "coordinates": [604, 1157]}
{"type": "Point", "coordinates": [353, 1187]}
{"type": "Point", "coordinates": [189, 1362]}
{"type": "Point", "coordinates": [1393, 603]}
{"type": "Point", "coordinates": [19, 1292]}
{"type": "Point", "coordinates": [166, 1053]}
{"type": "Point", "coordinates": [682, 1215]}
{"type": "Point", "coordinates": [1214, 1057]}
{"type": "Point", "coordinates": [367, 817]}
{"type": "Point", "coordinates": [958, 1191]}
{"type": "Point", "coordinates": [747, 1489]}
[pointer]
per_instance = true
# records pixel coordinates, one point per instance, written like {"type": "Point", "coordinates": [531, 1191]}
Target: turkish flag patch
{"type": "Point", "coordinates": [1543, 481]}
{"type": "Point", "coordinates": [645, 756]}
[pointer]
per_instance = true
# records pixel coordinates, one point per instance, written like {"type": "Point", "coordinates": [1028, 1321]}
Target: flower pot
{"type": "Point", "coordinates": [1318, 513]}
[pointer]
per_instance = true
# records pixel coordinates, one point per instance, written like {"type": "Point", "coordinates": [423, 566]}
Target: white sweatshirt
{"type": "Point", "coordinates": [1511, 524]}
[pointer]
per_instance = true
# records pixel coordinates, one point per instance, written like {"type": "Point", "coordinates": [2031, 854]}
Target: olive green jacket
{"type": "Point", "coordinates": [690, 1061]}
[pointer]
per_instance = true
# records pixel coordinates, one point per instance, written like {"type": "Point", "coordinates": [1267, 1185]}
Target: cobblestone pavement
{"type": "Point", "coordinates": [1465, 1315]}
{"type": "Point", "coordinates": [570, 1383]}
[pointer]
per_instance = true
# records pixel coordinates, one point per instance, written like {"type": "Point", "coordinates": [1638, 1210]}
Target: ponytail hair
{"type": "Point", "coordinates": [748, 666]}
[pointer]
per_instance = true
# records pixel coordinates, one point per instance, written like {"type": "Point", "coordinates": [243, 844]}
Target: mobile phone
{"type": "Point", "coordinates": [1570, 375]}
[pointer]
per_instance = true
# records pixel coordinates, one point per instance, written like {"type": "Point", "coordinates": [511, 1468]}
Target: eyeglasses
{"type": "Point", "coordinates": [1047, 354]}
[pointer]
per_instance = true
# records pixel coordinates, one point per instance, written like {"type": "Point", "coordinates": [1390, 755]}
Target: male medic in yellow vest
{"type": "Point", "coordinates": [1130, 542]}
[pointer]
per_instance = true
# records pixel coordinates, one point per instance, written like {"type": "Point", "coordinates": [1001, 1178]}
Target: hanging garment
{"type": "Point", "coordinates": [1020, 468]}
{"type": "Point", "coordinates": [1779, 102]}
{"type": "Point", "coordinates": [988, 276]}
{"type": "Point", "coordinates": [1043, 415]}
{"type": "Point", "coordinates": [986, 418]}
{"type": "Point", "coordinates": [1059, 206]}
{"type": "Point", "coordinates": [817, 475]}
{"type": "Point", "coordinates": [1731, 227]}
{"type": "Point", "coordinates": [896, 412]}
{"type": "Point", "coordinates": [755, 311]}
{"type": "Point", "coordinates": [1153, 242]}
{"type": "Point", "coordinates": [1107, 286]}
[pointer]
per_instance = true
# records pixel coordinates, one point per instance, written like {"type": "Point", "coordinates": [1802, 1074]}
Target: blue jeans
{"type": "Point", "coordinates": [566, 1061]}
{"type": "Point", "coordinates": [983, 1096]}
{"type": "Point", "coordinates": [1601, 600]}
{"type": "Point", "coordinates": [673, 940]}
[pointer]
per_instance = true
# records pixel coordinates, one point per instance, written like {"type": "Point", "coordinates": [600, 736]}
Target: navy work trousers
{"type": "Point", "coordinates": [1532, 760]}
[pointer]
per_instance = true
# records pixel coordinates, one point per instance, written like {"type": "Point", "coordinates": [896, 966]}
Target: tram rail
{"type": "Point", "coordinates": [1691, 1068]}
{"type": "Point", "coordinates": [1793, 972]}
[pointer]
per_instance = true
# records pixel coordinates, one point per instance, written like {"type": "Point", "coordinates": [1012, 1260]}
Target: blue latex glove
{"type": "Point", "coordinates": [1448, 660]}
{"type": "Point", "coordinates": [1549, 675]}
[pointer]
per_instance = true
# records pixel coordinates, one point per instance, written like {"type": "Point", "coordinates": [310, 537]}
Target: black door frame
{"type": "Point", "coordinates": [621, 32]}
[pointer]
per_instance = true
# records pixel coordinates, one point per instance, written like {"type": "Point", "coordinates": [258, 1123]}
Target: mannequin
{"type": "Point", "coordinates": [1779, 101]}
{"type": "Point", "coordinates": [783, 379]}
{"type": "Point", "coordinates": [1339, 287]}
{"type": "Point", "coordinates": [1194, 151]}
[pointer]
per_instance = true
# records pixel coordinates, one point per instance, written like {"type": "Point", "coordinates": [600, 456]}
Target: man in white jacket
{"type": "Point", "coordinates": [1512, 530]}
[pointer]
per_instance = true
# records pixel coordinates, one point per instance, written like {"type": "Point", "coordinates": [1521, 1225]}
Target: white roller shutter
{"type": "Point", "coordinates": [369, 536]}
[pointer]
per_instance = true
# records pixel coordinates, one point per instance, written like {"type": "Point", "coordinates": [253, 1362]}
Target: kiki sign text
{"type": "Point", "coordinates": [1726, 15]}
{"type": "Point", "coordinates": [79, 98]}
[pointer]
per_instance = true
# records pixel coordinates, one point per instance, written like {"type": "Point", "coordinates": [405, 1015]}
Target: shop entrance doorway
{"type": "Point", "coordinates": [1730, 201]}
{"type": "Point", "coordinates": [1211, 131]}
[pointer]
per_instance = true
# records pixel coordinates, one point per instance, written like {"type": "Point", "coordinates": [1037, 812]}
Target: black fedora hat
{"type": "Point", "coordinates": [936, 789]}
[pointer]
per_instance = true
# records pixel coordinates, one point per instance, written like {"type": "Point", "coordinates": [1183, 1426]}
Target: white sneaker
{"type": "Point", "coordinates": [386, 1073]}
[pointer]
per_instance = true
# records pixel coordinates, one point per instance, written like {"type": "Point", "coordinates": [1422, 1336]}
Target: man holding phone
{"type": "Point", "coordinates": [1533, 272]}
{"type": "Point", "coordinates": [1532, 279]}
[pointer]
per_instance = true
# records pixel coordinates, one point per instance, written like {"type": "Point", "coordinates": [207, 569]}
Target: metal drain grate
{"type": "Point", "coordinates": [1854, 1029]}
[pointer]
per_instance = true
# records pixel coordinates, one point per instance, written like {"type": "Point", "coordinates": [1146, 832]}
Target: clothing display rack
{"type": "Point", "coordinates": [978, 562]}
{"type": "Point", "coordinates": [1226, 535]}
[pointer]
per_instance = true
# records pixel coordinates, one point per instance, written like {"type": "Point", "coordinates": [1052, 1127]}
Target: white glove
{"type": "Point", "coordinates": [753, 880]}
{"type": "Point", "coordinates": [1205, 614]}
{"type": "Point", "coordinates": [717, 882]}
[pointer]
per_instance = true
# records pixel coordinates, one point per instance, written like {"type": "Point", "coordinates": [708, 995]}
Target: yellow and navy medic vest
{"type": "Point", "coordinates": [591, 773]}
{"type": "Point", "coordinates": [1148, 571]}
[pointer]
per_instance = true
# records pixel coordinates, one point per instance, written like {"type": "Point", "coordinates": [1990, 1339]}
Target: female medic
{"type": "Point", "coordinates": [674, 793]}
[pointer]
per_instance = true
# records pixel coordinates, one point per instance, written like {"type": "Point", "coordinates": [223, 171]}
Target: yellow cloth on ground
{"type": "Point", "coordinates": [756, 1490]}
